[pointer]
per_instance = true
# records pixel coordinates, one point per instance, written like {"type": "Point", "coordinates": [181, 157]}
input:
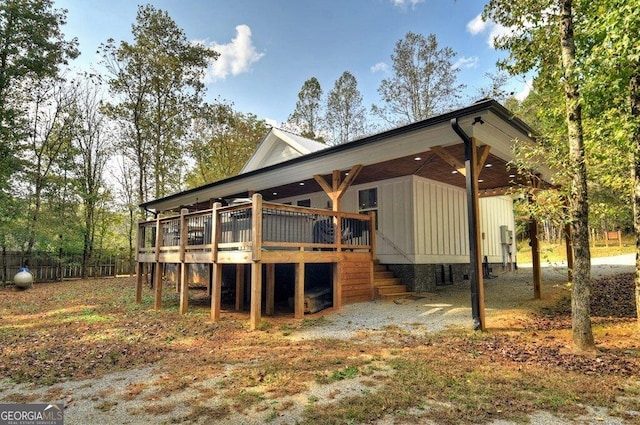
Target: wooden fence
{"type": "Point", "coordinates": [50, 267]}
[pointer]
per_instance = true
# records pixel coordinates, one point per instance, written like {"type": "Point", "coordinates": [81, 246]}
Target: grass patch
{"type": "Point", "coordinates": [76, 330]}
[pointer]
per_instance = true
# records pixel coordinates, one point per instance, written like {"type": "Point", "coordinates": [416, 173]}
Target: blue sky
{"type": "Point", "coordinates": [270, 47]}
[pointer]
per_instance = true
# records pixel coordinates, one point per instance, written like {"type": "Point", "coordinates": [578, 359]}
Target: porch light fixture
{"type": "Point", "coordinates": [488, 165]}
{"type": "Point", "coordinates": [454, 172]}
{"type": "Point", "coordinates": [301, 183]}
{"type": "Point", "coordinates": [480, 180]}
{"type": "Point", "coordinates": [274, 193]}
{"type": "Point", "coordinates": [417, 158]}
{"type": "Point", "coordinates": [511, 176]}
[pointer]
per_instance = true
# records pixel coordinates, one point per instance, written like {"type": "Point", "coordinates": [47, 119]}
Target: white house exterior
{"type": "Point", "coordinates": [412, 178]}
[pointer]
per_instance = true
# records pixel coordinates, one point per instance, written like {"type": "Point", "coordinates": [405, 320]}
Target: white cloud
{"type": "Point", "coordinates": [479, 26]}
{"type": "Point", "coordinates": [271, 122]}
{"type": "Point", "coordinates": [524, 92]}
{"type": "Point", "coordinates": [235, 57]}
{"type": "Point", "coordinates": [380, 67]}
{"type": "Point", "coordinates": [465, 62]}
{"type": "Point", "coordinates": [404, 3]}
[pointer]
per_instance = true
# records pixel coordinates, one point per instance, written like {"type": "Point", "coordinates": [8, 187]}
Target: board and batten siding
{"type": "Point", "coordinates": [422, 221]}
{"type": "Point", "coordinates": [496, 211]}
{"type": "Point", "coordinates": [441, 226]}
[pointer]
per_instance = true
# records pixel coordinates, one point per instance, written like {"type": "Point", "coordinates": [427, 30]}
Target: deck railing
{"type": "Point", "coordinates": [251, 228]}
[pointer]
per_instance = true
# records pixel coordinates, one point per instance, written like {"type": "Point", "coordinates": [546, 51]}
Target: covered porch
{"type": "Point", "coordinates": [260, 233]}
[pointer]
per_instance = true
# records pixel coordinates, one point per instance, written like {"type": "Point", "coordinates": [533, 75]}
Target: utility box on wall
{"type": "Point", "coordinates": [506, 235]}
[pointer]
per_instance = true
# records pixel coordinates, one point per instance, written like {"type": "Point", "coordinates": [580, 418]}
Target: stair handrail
{"type": "Point", "coordinates": [394, 246]}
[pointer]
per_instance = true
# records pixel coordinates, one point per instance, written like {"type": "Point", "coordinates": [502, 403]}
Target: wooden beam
{"type": "Point", "coordinates": [449, 159]}
{"type": "Point", "coordinates": [338, 187]}
{"type": "Point", "coordinates": [346, 183]}
{"type": "Point", "coordinates": [323, 184]}
{"type": "Point", "coordinates": [483, 154]}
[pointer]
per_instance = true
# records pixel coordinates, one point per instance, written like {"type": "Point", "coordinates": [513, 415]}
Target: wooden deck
{"type": "Point", "coordinates": [260, 233]}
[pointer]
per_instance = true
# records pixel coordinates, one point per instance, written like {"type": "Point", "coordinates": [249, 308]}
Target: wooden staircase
{"type": "Point", "coordinates": [386, 286]}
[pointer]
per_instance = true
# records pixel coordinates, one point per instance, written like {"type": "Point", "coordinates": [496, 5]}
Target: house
{"type": "Point", "coordinates": [403, 198]}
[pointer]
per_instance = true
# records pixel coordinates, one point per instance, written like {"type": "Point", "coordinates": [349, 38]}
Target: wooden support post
{"type": "Point", "coordinates": [215, 231]}
{"type": "Point", "coordinates": [216, 292]}
{"type": "Point", "coordinates": [271, 289]}
{"type": "Point", "coordinates": [337, 285]}
{"type": "Point", "coordinates": [475, 248]}
{"type": "Point", "coordinates": [477, 283]}
{"type": "Point", "coordinates": [184, 287]}
{"type": "Point", "coordinates": [256, 295]}
{"type": "Point", "coordinates": [298, 302]}
{"type": "Point", "coordinates": [535, 258]}
{"type": "Point", "coordinates": [157, 286]}
{"type": "Point", "coordinates": [256, 226]}
{"type": "Point", "coordinates": [139, 279]}
{"type": "Point", "coordinates": [157, 276]}
{"type": "Point", "coordinates": [239, 287]}
{"type": "Point", "coordinates": [182, 268]}
{"type": "Point", "coordinates": [372, 236]}
{"type": "Point", "coordinates": [569, 249]}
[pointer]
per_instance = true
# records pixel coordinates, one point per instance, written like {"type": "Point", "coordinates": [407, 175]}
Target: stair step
{"type": "Point", "coordinates": [380, 268]}
{"type": "Point", "coordinates": [386, 282]}
{"type": "Point", "coordinates": [391, 297]}
{"type": "Point", "coordinates": [391, 289]}
{"type": "Point", "coordinates": [383, 275]}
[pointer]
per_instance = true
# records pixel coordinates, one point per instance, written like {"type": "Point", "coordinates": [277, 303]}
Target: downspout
{"type": "Point", "coordinates": [475, 275]}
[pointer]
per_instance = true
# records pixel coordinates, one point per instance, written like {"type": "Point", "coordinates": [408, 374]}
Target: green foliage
{"type": "Point", "coordinates": [424, 82]}
{"type": "Point", "coordinates": [221, 141]}
{"type": "Point", "coordinates": [33, 48]}
{"type": "Point", "coordinates": [346, 116]}
{"type": "Point", "coordinates": [307, 117]}
{"type": "Point", "coordinates": [157, 83]}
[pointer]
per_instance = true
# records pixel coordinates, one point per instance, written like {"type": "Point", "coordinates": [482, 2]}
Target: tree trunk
{"type": "Point", "coordinates": [634, 97]}
{"type": "Point", "coordinates": [579, 210]}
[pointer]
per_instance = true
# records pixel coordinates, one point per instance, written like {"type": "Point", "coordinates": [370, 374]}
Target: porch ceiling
{"type": "Point", "coordinates": [496, 176]}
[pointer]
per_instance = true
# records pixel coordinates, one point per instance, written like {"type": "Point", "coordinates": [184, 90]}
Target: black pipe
{"type": "Point", "coordinates": [474, 245]}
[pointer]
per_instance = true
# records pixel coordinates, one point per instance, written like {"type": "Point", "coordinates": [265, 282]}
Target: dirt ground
{"type": "Point", "coordinates": [86, 345]}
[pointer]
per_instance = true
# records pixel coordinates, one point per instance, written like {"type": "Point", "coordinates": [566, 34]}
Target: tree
{"type": "Point", "coordinates": [613, 68]}
{"type": "Point", "coordinates": [579, 211]}
{"type": "Point", "coordinates": [32, 47]}
{"type": "Point", "coordinates": [158, 82]}
{"type": "Point", "coordinates": [424, 82]}
{"type": "Point", "coordinates": [543, 38]}
{"type": "Point", "coordinates": [49, 139]}
{"type": "Point", "coordinates": [221, 141]}
{"type": "Point", "coordinates": [93, 144]}
{"type": "Point", "coordinates": [346, 116]}
{"type": "Point", "coordinates": [307, 117]}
